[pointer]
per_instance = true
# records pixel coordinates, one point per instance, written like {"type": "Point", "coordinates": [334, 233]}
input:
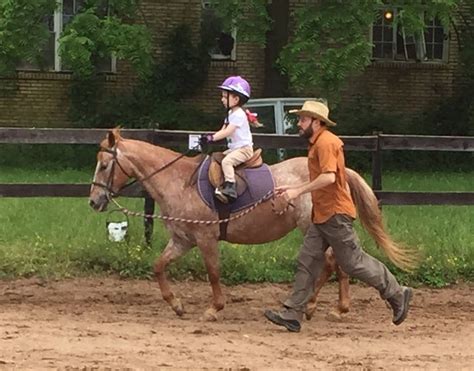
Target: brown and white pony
{"type": "Point", "coordinates": [120, 159]}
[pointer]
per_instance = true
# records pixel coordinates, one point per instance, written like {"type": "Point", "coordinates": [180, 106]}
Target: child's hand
{"type": "Point", "coordinates": [205, 139]}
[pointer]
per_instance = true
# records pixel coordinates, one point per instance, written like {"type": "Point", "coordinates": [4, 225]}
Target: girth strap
{"type": "Point", "coordinates": [223, 211]}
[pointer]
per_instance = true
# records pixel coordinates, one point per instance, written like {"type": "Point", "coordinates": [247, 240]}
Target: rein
{"type": "Point", "coordinates": [115, 160]}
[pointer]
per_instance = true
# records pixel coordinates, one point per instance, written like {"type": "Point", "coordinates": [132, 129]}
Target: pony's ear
{"type": "Point", "coordinates": [111, 138]}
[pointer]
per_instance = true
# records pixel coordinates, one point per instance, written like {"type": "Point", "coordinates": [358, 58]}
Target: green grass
{"type": "Point", "coordinates": [63, 237]}
{"type": "Point", "coordinates": [25, 175]}
{"type": "Point", "coordinates": [428, 181]}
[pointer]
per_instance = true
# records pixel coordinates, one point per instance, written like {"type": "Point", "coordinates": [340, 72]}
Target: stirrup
{"type": "Point", "coordinates": [230, 191]}
{"type": "Point", "coordinates": [220, 196]}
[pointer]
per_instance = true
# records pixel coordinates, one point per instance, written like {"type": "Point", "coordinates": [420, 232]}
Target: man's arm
{"type": "Point", "coordinates": [286, 187]}
{"type": "Point", "coordinates": [321, 181]}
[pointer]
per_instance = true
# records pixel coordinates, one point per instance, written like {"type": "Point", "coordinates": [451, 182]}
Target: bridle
{"type": "Point", "coordinates": [109, 185]}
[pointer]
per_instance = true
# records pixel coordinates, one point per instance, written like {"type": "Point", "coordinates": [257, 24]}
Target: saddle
{"type": "Point", "coordinates": [216, 176]}
{"type": "Point", "coordinates": [254, 181]}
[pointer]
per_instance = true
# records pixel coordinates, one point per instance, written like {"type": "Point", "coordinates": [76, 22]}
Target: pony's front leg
{"type": "Point", "coordinates": [172, 251]}
{"type": "Point", "coordinates": [210, 254]}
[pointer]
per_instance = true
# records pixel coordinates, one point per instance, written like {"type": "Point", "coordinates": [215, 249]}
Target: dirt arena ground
{"type": "Point", "coordinates": [90, 323]}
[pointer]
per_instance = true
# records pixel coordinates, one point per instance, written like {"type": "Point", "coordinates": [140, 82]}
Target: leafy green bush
{"type": "Point", "coordinates": [47, 156]}
{"type": "Point", "coordinates": [451, 117]}
{"type": "Point", "coordinates": [157, 102]}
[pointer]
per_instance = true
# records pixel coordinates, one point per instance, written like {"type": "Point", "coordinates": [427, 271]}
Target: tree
{"type": "Point", "coordinates": [23, 33]}
{"type": "Point", "coordinates": [329, 41]}
{"type": "Point", "coordinates": [92, 35]}
{"type": "Point", "coordinates": [95, 32]}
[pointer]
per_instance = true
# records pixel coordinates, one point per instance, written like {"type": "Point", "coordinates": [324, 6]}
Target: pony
{"type": "Point", "coordinates": [166, 175]}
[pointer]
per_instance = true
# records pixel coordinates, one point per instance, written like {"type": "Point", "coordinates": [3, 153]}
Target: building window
{"type": "Point", "coordinates": [70, 9]}
{"type": "Point", "coordinates": [221, 45]}
{"type": "Point", "coordinates": [435, 39]}
{"type": "Point", "coordinates": [391, 42]}
{"type": "Point", "coordinates": [50, 59]}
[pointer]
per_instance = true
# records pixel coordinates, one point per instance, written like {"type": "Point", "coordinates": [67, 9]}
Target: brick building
{"type": "Point", "coordinates": [395, 80]}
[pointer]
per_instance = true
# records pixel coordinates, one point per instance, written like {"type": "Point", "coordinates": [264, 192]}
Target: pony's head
{"type": "Point", "coordinates": [111, 173]}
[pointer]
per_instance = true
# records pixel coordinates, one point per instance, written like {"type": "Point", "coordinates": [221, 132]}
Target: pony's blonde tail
{"type": "Point", "coordinates": [371, 218]}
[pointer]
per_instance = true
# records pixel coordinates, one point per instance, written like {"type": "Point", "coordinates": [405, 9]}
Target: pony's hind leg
{"type": "Point", "coordinates": [172, 251]}
{"type": "Point", "coordinates": [344, 298]}
{"type": "Point", "coordinates": [210, 254]}
{"type": "Point", "coordinates": [329, 268]}
{"type": "Point", "coordinates": [344, 295]}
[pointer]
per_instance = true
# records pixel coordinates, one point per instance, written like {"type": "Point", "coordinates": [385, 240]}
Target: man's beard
{"type": "Point", "coordinates": [306, 133]}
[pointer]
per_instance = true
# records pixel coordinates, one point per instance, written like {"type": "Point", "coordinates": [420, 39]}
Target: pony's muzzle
{"type": "Point", "coordinates": [99, 205]}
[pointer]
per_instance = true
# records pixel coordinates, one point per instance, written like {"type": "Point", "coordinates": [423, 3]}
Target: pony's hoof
{"type": "Point", "coordinates": [334, 316]}
{"type": "Point", "coordinates": [210, 315]}
{"type": "Point", "coordinates": [177, 307]}
{"type": "Point", "coordinates": [343, 309]}
{"type": "Point", "coordinates": [310, 312]}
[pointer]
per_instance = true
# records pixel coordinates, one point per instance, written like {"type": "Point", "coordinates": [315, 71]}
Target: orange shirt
{"type": "Point", "coordinates": [326, 155]}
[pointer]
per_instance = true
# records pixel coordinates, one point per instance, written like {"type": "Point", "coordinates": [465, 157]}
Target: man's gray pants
{"type": "Point", "coordinates": [337, 232]}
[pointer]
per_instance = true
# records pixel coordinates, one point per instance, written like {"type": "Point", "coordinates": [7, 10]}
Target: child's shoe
{"type": "Point", "coordinates": [227, 193]}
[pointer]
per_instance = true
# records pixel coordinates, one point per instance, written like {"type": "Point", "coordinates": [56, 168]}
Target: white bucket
{"type": "Point", "coordinates": [117, 227]}
{"type": "Point", "coordinates": [117, 231]}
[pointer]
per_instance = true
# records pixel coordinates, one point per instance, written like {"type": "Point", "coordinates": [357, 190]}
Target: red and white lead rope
{"type": "Point", "coordinates": [269, 195]}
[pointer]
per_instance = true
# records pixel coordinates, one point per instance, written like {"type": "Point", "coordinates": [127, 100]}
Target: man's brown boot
{"type": "Point", "coordinates": [400, 303]}
{"type": "Point", "coordinates": [286, 317]}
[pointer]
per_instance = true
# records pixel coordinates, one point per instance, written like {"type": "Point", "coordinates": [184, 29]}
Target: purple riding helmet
{"type": "Point", "coordinates": [236, 84]}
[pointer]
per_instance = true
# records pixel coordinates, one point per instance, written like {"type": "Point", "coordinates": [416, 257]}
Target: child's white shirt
{"type": "Point", "coordinates": [241, 136]}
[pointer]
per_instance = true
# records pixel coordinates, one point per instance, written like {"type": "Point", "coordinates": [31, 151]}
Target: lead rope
{"type": "Point", "coordinates": [266, 197]}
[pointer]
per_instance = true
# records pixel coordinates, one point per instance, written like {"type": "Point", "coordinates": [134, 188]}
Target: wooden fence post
{"type": "Point", "coordinates": [377, 164]}
{"type": "Point", "coordinates": [149, 205]}
{"type": "Point", "coordinates": [148, 222]}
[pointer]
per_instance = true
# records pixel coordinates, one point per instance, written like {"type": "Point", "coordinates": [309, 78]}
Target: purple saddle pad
{"type": "Point", "coordinates": [259, 179]}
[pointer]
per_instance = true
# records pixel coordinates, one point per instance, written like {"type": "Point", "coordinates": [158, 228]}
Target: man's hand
{"type": "Point", "coordinates": [288, 192]}
{"type": "Point", "coordinates": [280, 189]}
{"type": "Point", "coordinates": [291, 194]}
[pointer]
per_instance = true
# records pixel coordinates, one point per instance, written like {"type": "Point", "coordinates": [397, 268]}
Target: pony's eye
{"type": "Point", "coordinates": [103, 166]}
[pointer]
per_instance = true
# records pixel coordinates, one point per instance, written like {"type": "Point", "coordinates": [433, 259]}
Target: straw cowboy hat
{"type": "Point", "coordinates": [315, 109]}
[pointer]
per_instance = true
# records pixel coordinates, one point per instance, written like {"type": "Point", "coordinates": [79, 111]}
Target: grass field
{"type": "Point", "coordinates": [63, 237]}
